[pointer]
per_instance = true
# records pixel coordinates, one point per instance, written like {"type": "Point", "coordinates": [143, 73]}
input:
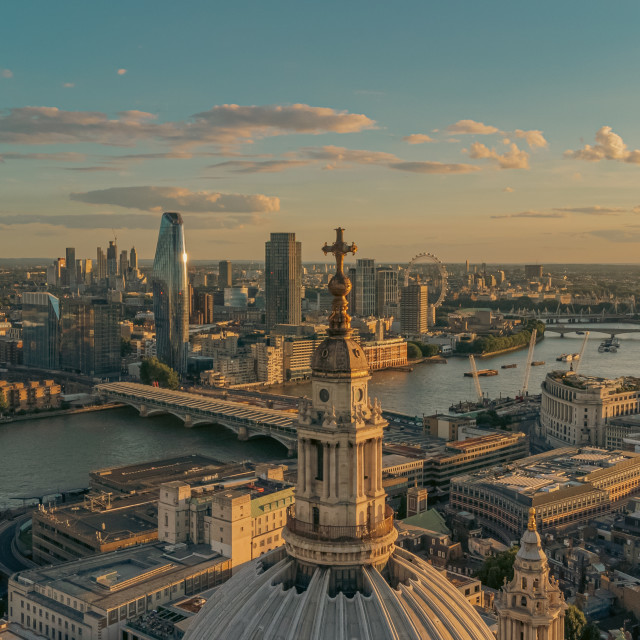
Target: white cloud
{"type": "Point", "coordinates": [530, 214]}
{"type": "Point", "coordinates": [6, 73]}
{"type": "Point", "coordinates": [472, 127]}
{"type": "Point", "coordinates": [514, 158]}
{"type": "Point", "coordinates": [68, 85]}
{"type": "Point", "coordinates": [595, 210]}
{"type": "Point", "coordinates": [508, 189]}
{"type": "Point", "coordinates": [223, 125]}
{"type": "Point", "coordinates": [121, 72]}
{"type": "Point", "coordinates": [534, 138]}
{"type": "Point", "coordinates": [342, 154]}
{"type": "Point", "coordinates": [63, 156]}
{"type": "Point", "coordinates": [157, 199]}
{"type": "Point", "coordinates": [265, 166]}
{"type": "Point", "coordinates": [418, 138]}
{"type": "Point", "coordinates": [434, 167]}
{"type": "Point", "coordinates": [609, 146]}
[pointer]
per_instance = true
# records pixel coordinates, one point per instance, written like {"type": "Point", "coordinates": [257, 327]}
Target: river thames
{"type": "Point", "coordinates": [57, 453]}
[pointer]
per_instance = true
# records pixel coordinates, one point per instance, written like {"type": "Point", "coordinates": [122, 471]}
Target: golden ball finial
{"type": "Point", "coordinates": [532, 519]}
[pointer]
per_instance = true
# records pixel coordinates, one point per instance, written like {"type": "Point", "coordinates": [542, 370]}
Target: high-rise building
{"type": "Point", "coordinates": [413, 310]}
{"type": "Point", "coordinates": [112, 259]}
{"type": "Point", "coordinates": [339, 574]}
{"type": "Point", "coordinates": [386, 292]}
{"type": "Point", "coordinates": [86, 267]}
{"type": "Point", "coordinates": [283, 280]}
{"type": "Point", "coordinates": [171, 294]}
{"type": "Point", "coordinates": [70, 278]}
{"type": "Point", "coordinates": [225, 274]}
{"type": "Point", "coordinates": [41, 330]}
{"type": "Point", "coordinates": [533, 271]}
{"type": "Point", "coordinates": [133, 259]}
{"type": "Point", "coordinates": [124, 262]}
{"type": "Point", "coordinates": [90, 337]}
{"type": "Point", "coordinates": [365, 297]}
{"type": "Point", "coordinates": [101, 265]}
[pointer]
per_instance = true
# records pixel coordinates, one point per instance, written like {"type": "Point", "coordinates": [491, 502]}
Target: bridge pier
{"type": "Point", "coordinates": [243, 433]}
{"type": "Point", "coordinates": [188, 421]}
{"type": "Point", "coordinates": [144, 412]}
{"type": "Point", "coordinates": [292, 451]}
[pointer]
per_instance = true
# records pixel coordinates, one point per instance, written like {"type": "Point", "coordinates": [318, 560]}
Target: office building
{"type": "Point", "coordinates": [133, 259]}
{"type": "Point", "coordinates": [567, 487]}
{"type": "Point", "coordinates": [533, 271]}
{"type": "Point", "coordinates": [70, 273]}
{"type": "Point", "coordinates": [90, 337]}
{"type": "Point", "coordinates": [124, 262]}
{"type": "Point", "coordinates": [575, 408]}
{"type": "Point", "coordinates": [387, 293]}
{"type": "Point", "coordinates": [112, 259]}
{"type": "Point", "coordinates": [365, 287]}
{"type": "Point", "coordinates": [413, 310]}
{"type": "Point", "coordinates": [101, 265]}
{"type": "Point", "coordinates": [41, 330]}
{"type": "Point", "coordinates": [225, 274]}
{"type": "Point", "coordinates": [283, 280]}
{"type": "Point", "coordinates": [171, 294]}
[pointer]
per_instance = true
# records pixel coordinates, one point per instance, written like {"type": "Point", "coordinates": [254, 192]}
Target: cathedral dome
{"type": "Point", "coordinates": [338, 355]}
{"type": "Point", "coordinates": [409, 599]}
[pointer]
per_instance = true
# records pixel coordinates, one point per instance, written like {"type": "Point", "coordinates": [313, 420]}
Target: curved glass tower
{"type": "Point", "coordinates": [171, 294]}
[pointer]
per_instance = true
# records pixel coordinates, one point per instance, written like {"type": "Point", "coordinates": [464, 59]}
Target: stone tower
{"type": "Point", "coordinates": [341, 518]}
{"type": "Point", "coordinates": [531, 606]}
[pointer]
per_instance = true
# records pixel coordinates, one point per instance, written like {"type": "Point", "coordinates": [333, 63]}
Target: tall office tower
{"type": "Point", "coordinates": [225, 277]}
{"type": "Point", "coordinates": [87, 270]}
{"type": "Point", "coordinates": [124, 262]}
{"type": "Point", "coordinates": [501, 277]}
{"type": "Point", "coordinates": [133, 259]}
{"type": "Point", "coordinates": [386, 292]}
{"type": "Point", "coordinates": [204, 307]}
{"type": "Point", "coordinates": [112, 259]}
{"type": "Point", "coordinates": [365, 287]}
{"type": "Point", "coordinates": [90, 342]}
{"type": "Point", "coordinates": [466, 264]}
{"type": "Point", "coordinates": [532, 271]}
{"type": "Point", "coordinates": [70, 278]}
{"type": "Point", "coordinates": [101, 265]}
{"type": "Point", "coordinates": [171, 294]}
{"type": "Point", "coordinates": [413, 310]}
{"type": "Point", "coordinates": [283, 280]}
{"type": "Point", "coordinates": [41, 330]}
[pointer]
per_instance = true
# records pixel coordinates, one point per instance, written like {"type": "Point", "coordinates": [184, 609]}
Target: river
{"type": "Point", "coordinates": [57, 453]}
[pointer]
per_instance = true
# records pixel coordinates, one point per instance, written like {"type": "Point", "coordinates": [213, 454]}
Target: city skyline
{"type": "Point", "coordinates": [517, 127]}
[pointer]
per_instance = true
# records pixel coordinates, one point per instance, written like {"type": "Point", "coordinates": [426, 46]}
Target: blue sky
{"type": "Point", "coordinates": [495, 131]}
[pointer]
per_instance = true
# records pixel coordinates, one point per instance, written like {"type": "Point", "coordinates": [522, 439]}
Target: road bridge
{"type": "Point", "coordinates": [564, 328]}
{"type": "Point", "coordinates": [246, 421]}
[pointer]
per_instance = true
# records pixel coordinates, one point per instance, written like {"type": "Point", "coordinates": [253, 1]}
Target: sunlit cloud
{"type": "Point", "coordinates": [335, 154]}
{"type": "Point", "coordinates": [472, 127]}
{"type": "Point", "coordinates": [508, 189]}
{"type": "Point", "coordinates": [514, 158]}
{"type": "Point", "coordinates": [68, 85]}
{"type": "Point", "coordinates": [6, 73]}
{"type": "Point", "coordinates": [418, 138]}
{"type": "Point", "coordinates": [531, 214]}
{"type": "Point", "coordinates": [265, 166]}
{"type": "Point", "coordinates": [595, 210]}
{"type": "Point", "coordinates": [609, 146]}
{"type": "Point", "coordinates": [533, 138]}
{"type": "Point", "coordinates": [157, 199]}
{"type": "Point", "coordinates": [434, 167]}
{"type": "Point", "coordinates": [121, 72]}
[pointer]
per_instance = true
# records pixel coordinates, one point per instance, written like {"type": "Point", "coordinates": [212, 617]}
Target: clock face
{"type": "Point", "coordinates": [324, 395]}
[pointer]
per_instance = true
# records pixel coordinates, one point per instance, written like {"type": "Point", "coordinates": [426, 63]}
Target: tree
{"type": "Point", "coordinates": [590, 632]}
{"type": "Point", "coordinates": [495, 569]}
{"type": "Point", "coordinates": [413, 351]}
{"type": "Point", "coordinates": [429, 350]}
{"type": "Point", "coordinates": [152, 370]}
{"type": "Point", "coordinates": [126, 347]}
{"type": "Point", "coordinates": [574, 623]}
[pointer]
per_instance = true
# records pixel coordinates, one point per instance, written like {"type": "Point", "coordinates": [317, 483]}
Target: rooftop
{"type": "Point", "coordinates": [579, 381]}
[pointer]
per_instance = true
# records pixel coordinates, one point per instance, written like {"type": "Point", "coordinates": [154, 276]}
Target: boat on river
{"type": "Point", "coordinates": [482, 372]}
{"type": "Point", "coordinates": [509, 366]}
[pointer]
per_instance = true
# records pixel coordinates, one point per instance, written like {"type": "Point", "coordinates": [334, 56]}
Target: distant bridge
{"type": "Point", "coordinates": [564, 328]}
{"type": "Point", "coordinates": [247, 421]}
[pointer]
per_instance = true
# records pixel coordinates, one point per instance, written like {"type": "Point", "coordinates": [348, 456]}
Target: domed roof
{"type": "Point", "coordinates": [409, 599]}
{"type": "Point", "coordinates": [339, 355]}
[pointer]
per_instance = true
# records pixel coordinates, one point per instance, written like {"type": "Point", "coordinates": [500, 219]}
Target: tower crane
{"type": "Point", "coordinates": [476, 380]}
{"type": "Point", "coordinates": [527, 368]}
{"type": "Point", "coordinates": [581, 354]}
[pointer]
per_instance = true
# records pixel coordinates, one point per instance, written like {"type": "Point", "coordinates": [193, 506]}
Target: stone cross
{"type": "Point", "coordinates": [339, 286]}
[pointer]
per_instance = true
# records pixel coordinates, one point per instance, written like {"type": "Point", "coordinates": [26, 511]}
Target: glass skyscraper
{"type": "Point", "coordinates": [41, 330]}
{"type": "Point", "coordinates": [283, 280]}
{"type": "Point", "coordinates": [171, 294]}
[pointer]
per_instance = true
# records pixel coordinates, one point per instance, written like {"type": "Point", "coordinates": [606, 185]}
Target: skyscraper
{"type": "Point", "coordinates": [171, 294]}
{"type": "Point", "coordinates": [386, 292]}
{"type": "Point", "coordinates": [283, 280]}
{"type": "Point", "coordinates": [124, 262]}
{"type": "Point", "coordinates": [70, 278]}
{"type": "Point", "coordinates": [225, 274]}
{"type": "Point", "coordinates": [112, 259]}
{"type": "Point", "coordinates": [413, 310]}
{"type": "Point", "coordinates": [365, 288]}
{"type": "Point", "coordinates": [41, 330]}
{"type": "Point", "coordinates": [133, 259]}
{"type": "Point", "coordinates": [101, 265]}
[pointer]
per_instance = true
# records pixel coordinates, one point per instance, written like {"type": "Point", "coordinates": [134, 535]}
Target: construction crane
{"type": "Point", "coordinates": [476, 380]}
{"type": "Point", "coordinates": [581, 354]}
{"type": "Point", "coordinates": [527, 367]}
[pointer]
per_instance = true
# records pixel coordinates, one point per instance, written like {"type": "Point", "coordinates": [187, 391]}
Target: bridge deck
{"type": "Point", "coordinates": [200, 404]}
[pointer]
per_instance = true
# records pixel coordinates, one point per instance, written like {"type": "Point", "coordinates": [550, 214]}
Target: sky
{"type": "Point", "coordinates": [489, 131]}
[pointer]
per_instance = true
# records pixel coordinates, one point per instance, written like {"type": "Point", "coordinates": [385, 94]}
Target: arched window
{"type": "Point", "coordinates": [536, 584]}
{"type": "Point", "coordinates": [523, 601]}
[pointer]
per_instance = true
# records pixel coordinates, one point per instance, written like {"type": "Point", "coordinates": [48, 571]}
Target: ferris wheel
{"type": "Point", "coordinates": [442, 273]}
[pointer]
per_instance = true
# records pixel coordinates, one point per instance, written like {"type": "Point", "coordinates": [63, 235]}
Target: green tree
{"type": "Point", "coordinates": [413, 351]}
{"type": "Point", "coordinates": [429, 350]}
{"type": "Point", "coordinates": [590, 632]}
{"type": "Point", "coordinates": [574, 623]}
{"type": "Point", "coordinates": [125, 347]}
{"type": "Point", "coordinates": [494, 570]}
{"type": "Point", "coordinates": [152, 370]}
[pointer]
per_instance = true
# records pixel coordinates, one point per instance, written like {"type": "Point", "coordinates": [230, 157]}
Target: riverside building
{"type": "Point", "coordinates": [567, 487]}
{"type": "Point", "coordinates": [575, 408]}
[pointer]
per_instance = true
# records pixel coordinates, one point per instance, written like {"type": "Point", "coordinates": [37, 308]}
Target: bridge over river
{"type": "Point", "coordinates": [565, 328]}
{"type": "Point", "coordinates": [245, 420]}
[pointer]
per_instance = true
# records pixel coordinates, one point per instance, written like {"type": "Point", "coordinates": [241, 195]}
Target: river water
{"type": "Point", "coordinates": [57, 453]}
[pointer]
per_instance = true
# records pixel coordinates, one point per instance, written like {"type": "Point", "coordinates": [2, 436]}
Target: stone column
{"type": "Point", "coordinates": [360, 468]}
{"type": "Point", "coordinates": [378, 470]}
{"type": "Point", "coordinates": [325, 471]}
{"type": "Point", "coordinates": [333, 471]}
{"type": "Point", "coordinates": [307, 467]}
